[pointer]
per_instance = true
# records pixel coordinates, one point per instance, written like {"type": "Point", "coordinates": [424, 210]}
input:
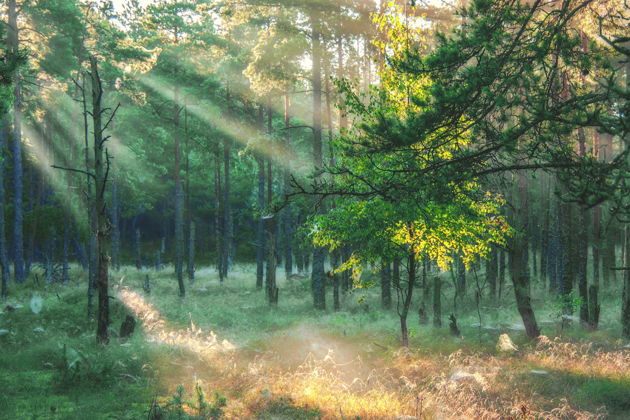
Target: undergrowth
{"type": "Point", "coordinates": [56, 369]}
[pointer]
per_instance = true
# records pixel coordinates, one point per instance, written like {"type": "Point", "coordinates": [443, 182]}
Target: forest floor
{"type": "Point", "coordinates": [293, 362]}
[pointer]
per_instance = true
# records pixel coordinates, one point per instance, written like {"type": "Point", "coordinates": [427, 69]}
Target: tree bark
{"type": "Point", "coordinates": [544, 234]}
{"type": "Point", "coordinates": [318, 275]}
{"type": "Point", "coordinates": [386, 285]}
{"type": "Point", "coordinates": [272, 289]}
{"type": "Point", "coordinates": [115, 217]}
{"type": "Point", "coordinates": [437, 302]}
{"type": "Point", "coordinates": [218, 219]}
{"type": "Point", "coordinates": [101, 168]}
{"type": "Point", "coordinates": [179, 198]}
{"type": "Point", "coordinates": [18, 173]}
{"type": "Point", "coordinates": [492, 271]}
{"type": "Point", "coordinates": [4, 261]}
{"type": "Point", "coordinates": [594, 308]}
{"type": "Point", "coordinates": [288, 215]}
{"type": "Point", "coordinates": [625, 306]}
{"type": "Point", "coordinates": [260, 222]}
{"type": "Point", "coordinates": [190, 268]}
{"type": "Point", "coordinates": [137, 241]}
{"type": "Point", "coordinates": [407, 296]}
{"type": "Point", "coordinates": [582, 246]}
{"type": "Point", "coordinates": [519, 262]}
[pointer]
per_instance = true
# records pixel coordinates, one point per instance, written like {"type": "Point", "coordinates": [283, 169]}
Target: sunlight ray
{"type": "Point", "coordinates": [193, 338]}
{"type": "Point", "coordinates": [242, 132]}
{"type": "Point", "coordinates": [42, 160]}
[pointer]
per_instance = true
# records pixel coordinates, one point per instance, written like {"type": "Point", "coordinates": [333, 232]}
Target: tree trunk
{"type": "Point", "coordinates": [345, 274]}
{"type": "Point", "coordinates": [101, 168]}
{"type": "Point", "coordinates": [544, 234]}
{"type": "Point", "coordinates": [191, 252]}
{"type": "Point", "coordinates": [4, 261]}
{"type": "Point", "coordinates": [260, 223]}
{"type": "Point", "coordinates": [318, 276]}
{"type": "Point", "coordinates": [189, 224]}
{"type": "Point", "coordinates": [218, 219]}
{"type": "Point", "coordinates": [386, 285]}
{"type": "Point", "coordinates": [582, 245]}
{"type": "Point", "coordinates": [334, 262]}
{"type": "Point", "coordinates": [565, 275]}
{"type": "Point", "coordinates": [115, 217]}
{"type": "Point", "coordinates": [288, 217]}
{"type": "Point", "coordinates": [272, 289]}
{"type": "Point", "coordinates": [407, 296]}
{"type": "Point", "coordinates": [92, 255]}
{"type": "Point", "coordinates": [437, 302]}
{"type": "Point", "coordinates": [227, 210]}
{"type": "Point", "coordinates": [18, 218]}
{"type": "Point", "coordinates": [179, 204]}
{"type": "Point", "coordinates": [461, 276]}
{"type": "Point", "coordinates": [501, 276]}
{"type": "Point", "coordinates": [594, 308]}
{"type": "Point", "coordinates": [137, 246]}
{"type": "Point", "coordinates": [608, 244]}
{"type": "Point", "coordinates": [625, 306]}
{"type": "Point", "coordinates": [519, 261]}
{"type": "Point", "coordinates": [492, 271]}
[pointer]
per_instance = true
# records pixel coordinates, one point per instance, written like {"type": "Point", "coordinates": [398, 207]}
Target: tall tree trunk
{"type": "Point", "coordinates": [501, 276]}
{"type": "Point", "coordinates": [260, 223]}
{"type": "Point", "coordinates": [318, 275]}
{"type": "Point", "coordinates": [437, 302]}
{"type": "Point", "coordinates": [115, 217]}
{"type": "Point", "coordinates": [625, 307]}
{"type": "Point", "coordinates": [608, 243]}
{"type": "Point", "coordinates": [191, 252]}
{"type": "Point", "coordinates": [101, 168]}
{"type": "Point", "coordinates": [582, 245]}
{"type": "Point", "coordinates": [288, 215]}
{"type": "Point", "coordinates": [227, 211]}
{"type": "Point", "coordinates": [4, 261]}
{"type": "Point", "coordinates": [386, 285]}
{"type": "Point", "coordinates": [460, 269]}
{"type": "Point", "coordinates": [594, 307]}
{"type": "Point", "coordinates": [137, 241]}
{"type": "Point", "coordinates": [189, 224]}
{"type": "Point", "coordinates": [179, 201]}
{"type": "Point", "coordinates": [92, 255]}
{"type": "Point", "coordinates": [13, 43]}
{"type": "Point", "coordinates": [492, 271]}
{"type": "Point", "coordinates": [565, 256]}
{"type": "Point", "coordinates": [407, 296]}
{"type": "Point", "coordinates": [218, 218]}
{"type": "Point", "coordinates": [345, 274]}
{"type": "Point", "coordinates": [544, 234]}
{"type": "Point", "coordinates": [272, 289]}
{"type": "Point", "coordinates": [519, 262]}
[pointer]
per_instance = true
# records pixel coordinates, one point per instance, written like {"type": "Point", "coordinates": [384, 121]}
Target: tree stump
{"type": "Point", "coordinates": [455, 332]}
{"type": "Point", "coordinates": [127, 327]}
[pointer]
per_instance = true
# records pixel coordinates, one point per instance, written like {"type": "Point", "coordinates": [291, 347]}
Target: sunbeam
{"type": "Point", "coordinates": [244, 133]}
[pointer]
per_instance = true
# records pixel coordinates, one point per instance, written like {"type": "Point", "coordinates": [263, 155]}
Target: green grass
{"type": "Point", "coordinates": [61, 373]}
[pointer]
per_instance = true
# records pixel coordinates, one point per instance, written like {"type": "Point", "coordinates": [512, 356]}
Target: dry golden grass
{"type": "Point", "coordinates": [347, 379]}
{"type": "Point", "coordinates": [582, 358]}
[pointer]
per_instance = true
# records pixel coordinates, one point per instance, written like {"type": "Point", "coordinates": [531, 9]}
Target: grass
{"type": "Point", "coordinates": [293, 362]}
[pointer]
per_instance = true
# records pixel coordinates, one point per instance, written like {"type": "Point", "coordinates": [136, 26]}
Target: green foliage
{"type": "Point", "coordinates": [566, 304]}
{"type": "Point", "coordinates": [284, 407]}
{"type": "Point", "coordinates": [179, 409]}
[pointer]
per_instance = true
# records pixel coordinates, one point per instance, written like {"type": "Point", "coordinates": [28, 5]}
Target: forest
{"type": "Point", "coordinates": [315, 209]}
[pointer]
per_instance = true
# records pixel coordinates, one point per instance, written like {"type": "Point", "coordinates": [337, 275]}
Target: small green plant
{"type": "Point", "coordinates": [175, 409]}
{"type": "Point", "coordinates": [566, 304]}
